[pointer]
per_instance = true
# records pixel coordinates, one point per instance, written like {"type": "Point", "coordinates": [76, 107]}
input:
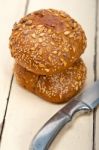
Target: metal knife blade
{"type": "Point", "coordinates": [91, 95]}
{"type": "Point", "coordinates": [86, 101]}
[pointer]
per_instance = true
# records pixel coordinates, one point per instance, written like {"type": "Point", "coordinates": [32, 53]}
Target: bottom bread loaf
{"type": "Point", "coordinates": [56, 88]}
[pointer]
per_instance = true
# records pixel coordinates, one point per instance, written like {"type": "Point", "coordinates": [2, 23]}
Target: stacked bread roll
{"type": "Point", "coordinates": [47, 45]}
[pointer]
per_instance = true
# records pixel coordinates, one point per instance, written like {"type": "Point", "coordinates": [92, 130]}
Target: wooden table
{"type": "Point", "coordinates": [22, 113]}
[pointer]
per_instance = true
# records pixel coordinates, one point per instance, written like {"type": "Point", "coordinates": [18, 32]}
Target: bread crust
{"type": "Point", "coordinates": [47, 41]}
{"type": "Point", "coordinates": [57, 88]}
{"type": "Point", "coordinates": [25, 78]}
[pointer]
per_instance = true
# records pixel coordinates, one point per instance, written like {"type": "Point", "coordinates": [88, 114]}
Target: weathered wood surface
{"type": "Point", "coordinates": [26, 113]}
{"type": "Point", "coordinates": [10, 11]}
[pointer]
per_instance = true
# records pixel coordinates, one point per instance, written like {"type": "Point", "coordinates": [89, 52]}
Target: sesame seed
{"type": "Point", "coordinates": [40, 40]}
{"type": "Point", "coordinates": [40, 52]}
{"type": "Point", "coordinates": [52, 43]}
{"type": "Point", "coordinates": [49, 31]}
{"type": "Point", "coordinates": [41, 65]}
{"type": "Point", "coordinates": [66, 49]}
{"type": "Point", "coordinates": [76, 88]}
{"type": "Point", "coordinates": [36, 45]}
{"type": "Point", "coordinates": [42, 34]}
{"type": "Point", "coordinates": [33, 35]}
{"type": "Point", "coordinates": [75, 24]}
{"type": "Point", "coordinates": [54, 52]}
{"type": "Point", "coordinates": [44, 44]}
{"type": "Point", "coordinates": [28, 22]}
{"type": "Point", "coordinates": [39, 26]}
{"type": "Point", "coordinates": [47, 70]}
{"type": "Point", "coordinates": [67, 32]}
{"type": "Point", "coordinates": [59, 53]}
{"type": "Point", "coordinates": [62, 13]}
{"type": "Point", "coordinates": [49, 58]}
{"type": "Point", "coordinates": [64, 62]}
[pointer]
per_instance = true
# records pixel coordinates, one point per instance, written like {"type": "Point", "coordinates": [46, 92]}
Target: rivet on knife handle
{"type": "Point", "coordinates": [48, 132]}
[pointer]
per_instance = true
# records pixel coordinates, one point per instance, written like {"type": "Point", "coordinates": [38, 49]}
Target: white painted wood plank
{"type": "Point", "coordinates": [97, 113]}
{"type": "Point", "coordinates": [27, 113]}
{"type": "Point", "coordinates": [10, 11]}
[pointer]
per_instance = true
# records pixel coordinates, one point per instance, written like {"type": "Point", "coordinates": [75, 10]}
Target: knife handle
{"type": "Point", "coordinates": [48, 132]}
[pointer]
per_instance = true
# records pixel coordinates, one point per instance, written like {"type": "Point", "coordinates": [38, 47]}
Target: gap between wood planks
{"type": "Point", "coordinates": [11, 84]}
{"type": "Point", "coordinates": [2, 125]}
{"type": "Point", "coordinates": [95, 72]}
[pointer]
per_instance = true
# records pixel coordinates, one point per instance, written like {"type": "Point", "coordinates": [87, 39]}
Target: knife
{"type": "Point", "coordinates": [86, 101]}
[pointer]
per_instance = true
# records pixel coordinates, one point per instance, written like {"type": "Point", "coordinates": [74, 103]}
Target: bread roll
{"type": "Point", "coordinates": [47, 41]}
{"type": "Point", "coordinates": [57, 88]}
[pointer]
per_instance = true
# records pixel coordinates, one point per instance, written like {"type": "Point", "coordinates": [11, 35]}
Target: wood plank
{"type": "Point", "coordinates": [27, 113]}
{"type": "Point", "coordinates": [10, 11]}
{"type": "Point", "coordinates": [97, 71]}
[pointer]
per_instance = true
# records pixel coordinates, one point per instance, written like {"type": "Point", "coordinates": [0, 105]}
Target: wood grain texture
{"type": "Point", "coordinates": [27, 113]}
{"type": "Point", "coordinates": [97, 76]}
{"type": "Point", "coordinates": [10, 11]}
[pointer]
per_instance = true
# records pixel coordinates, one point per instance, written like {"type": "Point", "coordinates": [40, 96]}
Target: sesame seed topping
{"type": "Point", "coordinates": [42, 34]}
{"type": "Point", "coordinates": [56, 88]}
{"type": "Point", "coordinates": [45, 33]}
{"type": "Point", "coordinates": [28, 22]}
{"type": "Point", "coordinates": [32, 48]}
{"type": "Point", "coordinates": [52, 43]}
{"type": "Point", "coordinates": [33, 35]}
{"type": "Point", "coordinates": [41, 65]}
{"type": "Point", "coordinates": [54, 52]}
{"type": "Point", "coordinates": [75, 24]}
{"type": "Point", "coordinates": [47, 70]}
{"type": "Point", "coordinates": [59, 53]}
{"type": "Point", "coordinates": [49, 58]}
{"type": "Point", "coordinates": [49, 30]}
{"type": "Point", "coordinates": [67, 32]}
{"type": "Point", "coordinates": [63, 61]}
{"type": "Point", "coordinates": [40, 40]}
{"type": "Point", "coordinates": [39, 26]}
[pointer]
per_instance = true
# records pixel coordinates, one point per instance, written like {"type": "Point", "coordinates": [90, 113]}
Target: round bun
{"type": "Point", "coordinates": [47, 41]}
{"type": "Point", "coordinates": [57, 88]}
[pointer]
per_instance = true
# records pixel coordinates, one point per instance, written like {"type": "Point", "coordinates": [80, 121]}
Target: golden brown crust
{"type": "Point", "coordinates": [25, 78]}
{"type": "Point", "coordinates": [47, 41]}
{"type": "Point", "coordinates": [57, 88]}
